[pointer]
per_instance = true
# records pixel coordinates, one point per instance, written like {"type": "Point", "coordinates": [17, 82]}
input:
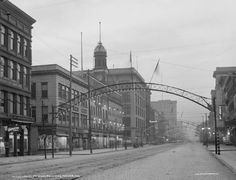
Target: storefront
{"type": "Point", "coordinates": [14, 138]}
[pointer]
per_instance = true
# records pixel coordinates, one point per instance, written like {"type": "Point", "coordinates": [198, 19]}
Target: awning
{"type": "Point", "coordinates": [62, 135]}
{"type": "Point", "coordinates": [21, 121]}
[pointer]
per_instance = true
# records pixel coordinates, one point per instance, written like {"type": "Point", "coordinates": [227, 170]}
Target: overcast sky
{"type": "Point", "coordinates": [191, 38]}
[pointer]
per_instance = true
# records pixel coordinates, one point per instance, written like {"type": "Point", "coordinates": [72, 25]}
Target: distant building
{"type": "Point", "coordinates": [168, 109]}
{"type": "Point", "coordinates": [15, 66]}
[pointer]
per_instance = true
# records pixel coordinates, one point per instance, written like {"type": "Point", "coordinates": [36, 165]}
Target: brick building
{"type": "Point", "coordinates": [15, 66]}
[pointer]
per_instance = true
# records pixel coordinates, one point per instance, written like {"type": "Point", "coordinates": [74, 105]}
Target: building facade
{"type": "Point", "coordinates": [168, 109]}
{"type": "Point", "coordinates": [50, 96]}
{"type": "Point", "coordinates": [15, 67]}
{"type": "Point", "coordinates": [135, 104]}
{"type": "Point", "coordinates": [225, 99]}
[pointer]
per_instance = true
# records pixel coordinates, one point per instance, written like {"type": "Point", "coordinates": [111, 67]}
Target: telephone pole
{"type": "Point", "coordinates": [73, 62]}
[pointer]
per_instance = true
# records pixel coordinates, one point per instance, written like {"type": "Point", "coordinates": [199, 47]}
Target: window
{"type": "Point", "coordinates": [21, 106]}
{"type": "Point", "coordinates": [11, 40]}
{"type": "Point", "coordinates": [18, 44]}
{"type": "Point", "coordinates": [18, 73]}
{"type": "Point", "coordinates": [27, 77]}
{"type": "Point", "coordinates": [25, 48]}
{"type": "Point", "coordinates": [44, 114]}
{"type": "Point", "coordinates": [24, 76]}
{"type": "Point", "coordinates": [44, 89]}
{"type": "Point", "coordinates": [2, 35]}
{"type": "Point", "coordinates": [18, 104]}
{"type": "Point", "coordinates": [15, 71]}
{"type": "Point", "coordinates": [25, 106]}
{"type": "Point", "coordinates": [83, 121]}
{"type": "Point", "coordinates": [33, 90]}
{"type": "Point", "coordinates": [14, 104]}
{"type": "Point", "coordinates": [2, 65]}
{"type": "Point", "coordinates": [33, 112]}
{"type": "Point", "coordinates": [2, 101]}
{"type": "Point", "coordinates": [11, 69]}
{"type": "Point", "coordinates": [60, 90]}
{"type": "Point", "coordinates": [63, 92]}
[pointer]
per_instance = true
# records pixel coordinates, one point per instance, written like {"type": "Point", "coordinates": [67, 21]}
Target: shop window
{"type": "Point", "coordinates": [44, 89]}
{"type": "Point", "coordinates": [2, 35]}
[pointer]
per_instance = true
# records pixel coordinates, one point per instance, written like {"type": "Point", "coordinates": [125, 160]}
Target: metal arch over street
{"type": "Point", "coordinates": [129, 86]}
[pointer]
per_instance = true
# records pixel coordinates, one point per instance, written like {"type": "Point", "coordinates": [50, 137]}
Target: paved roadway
{"type": "Point", "coordinates": [168, 161]}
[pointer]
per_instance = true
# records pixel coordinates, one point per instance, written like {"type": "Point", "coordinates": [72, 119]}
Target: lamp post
{"type": "Point", "coordinates": [217, 144]}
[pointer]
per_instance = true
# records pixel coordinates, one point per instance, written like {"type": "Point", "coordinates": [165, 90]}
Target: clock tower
{"type": "Point", "coordinates": [100, 54]}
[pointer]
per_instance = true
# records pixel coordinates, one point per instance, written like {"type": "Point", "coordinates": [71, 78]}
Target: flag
{"type": "Point", "coordinates": [156, 70]}
{"type": "Point", "coordinates": [157, 67]}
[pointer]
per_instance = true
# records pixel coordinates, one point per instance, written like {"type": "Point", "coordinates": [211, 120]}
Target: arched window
{"type": "Point", "coordinates": [11, 40]}
{"type": "Point", "coordinates": [25, 44]}
{"type": "Point", "coordinates": [18, 44]}
{"type": "Point", "coordinates": [2, 64]}
{"type": "Point", "coordinates": [2, 35]}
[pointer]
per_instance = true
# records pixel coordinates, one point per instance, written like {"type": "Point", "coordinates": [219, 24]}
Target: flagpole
{"type": "Point", "coordinates": [154, 70]}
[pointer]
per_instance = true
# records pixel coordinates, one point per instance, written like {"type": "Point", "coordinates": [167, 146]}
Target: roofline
{"type": "Point", "coordinates": [55, 68]}
{"type": "Point", "coordinates": [17, 10]}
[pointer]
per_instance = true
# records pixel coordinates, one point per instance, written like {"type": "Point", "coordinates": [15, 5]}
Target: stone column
{"type": "Point", "coordinates": [21, 142]}
{"type": "Point", "coordinates": [29, 139]}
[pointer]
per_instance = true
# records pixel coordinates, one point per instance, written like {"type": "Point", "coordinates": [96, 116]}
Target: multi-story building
{"type": "Point", "coordinates": [225, 99]}
{"type": "Point", "coordinates": [168, 109]}
{"type": "Point", "coordinates": [135, 103]}
{"type": "Point", "coordinates": [15, 66]}
{"type": "Point", "coordinates": [50, 95]}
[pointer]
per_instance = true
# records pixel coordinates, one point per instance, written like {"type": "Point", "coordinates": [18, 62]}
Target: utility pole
{"type": "Point", "coordinates": [206, 130]}
{"type": "Point", "coordinates": [73, 62]}
{"type": "Point", "coordinates": [217, 145]}
{"type": "Point", "coordinates": [89, 114]}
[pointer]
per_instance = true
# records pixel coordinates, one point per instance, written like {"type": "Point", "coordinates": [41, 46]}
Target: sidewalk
{"type": "Point", "coordinates": [58, 155]}
{"type": "Point", "coordinates": [227, 155]}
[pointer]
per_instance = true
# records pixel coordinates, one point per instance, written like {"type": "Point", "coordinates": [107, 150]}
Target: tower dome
{"type": "Point", "coordinates": [100, 54]}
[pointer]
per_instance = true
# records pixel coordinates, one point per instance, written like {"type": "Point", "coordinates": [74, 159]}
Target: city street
{"type": "Point", "coordinates": [168, 161]}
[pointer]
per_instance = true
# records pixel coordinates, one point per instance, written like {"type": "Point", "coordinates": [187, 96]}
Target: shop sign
{"type": "Point", "coordinates": [84, 111]}
{"type": "Point", "coordinates": [13, 129]}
